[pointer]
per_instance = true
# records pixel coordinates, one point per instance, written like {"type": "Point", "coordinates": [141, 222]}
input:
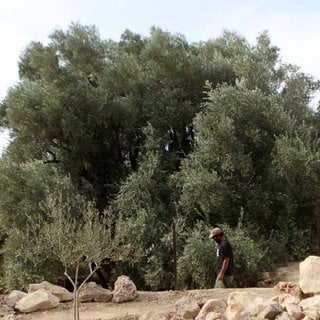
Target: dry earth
{"type": "Point", "coordinates": [153, 301]}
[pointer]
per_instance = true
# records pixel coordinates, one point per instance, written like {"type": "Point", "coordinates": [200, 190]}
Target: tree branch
{"type": "Point", "coordinates": [67, 275]}
{"type": "Point", "coordinates": [92, 271]}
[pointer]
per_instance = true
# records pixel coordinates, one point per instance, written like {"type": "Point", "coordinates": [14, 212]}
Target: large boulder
{"type": "Point", "coordinates": [61, 293]}
{"type": "Point", "coordinates": [38, 300]}
{"type": "Point", "coordinates": [124, 290]}
{"type": "Point", "coordinates": [92, 292]}
{"type": "Point", "coordinates": [309, 280]}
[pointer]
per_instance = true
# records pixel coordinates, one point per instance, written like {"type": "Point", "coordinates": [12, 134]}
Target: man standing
{"type": "Point", "coordinates": [224, 263]}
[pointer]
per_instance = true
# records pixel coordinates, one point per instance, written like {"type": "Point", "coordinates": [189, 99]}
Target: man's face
{"type": "Point", "coordinates": [217, 238]}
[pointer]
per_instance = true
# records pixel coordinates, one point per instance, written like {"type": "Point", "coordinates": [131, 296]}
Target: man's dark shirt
{"type": "Point", "coordinates": [224, 250]}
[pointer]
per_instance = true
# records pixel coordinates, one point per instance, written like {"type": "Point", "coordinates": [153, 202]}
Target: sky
{"type": "Point", "coordinates": [293, 25]}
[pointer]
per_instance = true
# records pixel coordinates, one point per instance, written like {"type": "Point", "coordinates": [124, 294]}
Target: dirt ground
{"type": "Point", "coordinates": [158, 302]}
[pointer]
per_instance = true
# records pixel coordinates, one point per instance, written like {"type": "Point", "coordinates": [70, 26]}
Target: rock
{"type": "Point", "coordinates": [310, 303]}
{"type": "Point", "coordinates": [38, 300]}
{"type": "Point", "coordinates": [14, 296]}
{"type": "Point", "coordinates": [288, 287]}
{"type": "Point", "coordinates": [284, 298]}
{"type": "Point", "coordinates": [309, 280]}
{"type": "Point", "coordinates": [92, 292]}
{"type": "Point", "coordinates": [294, 311]}
{"type": "Point", "coordinates": [212, 305]}
{"type": "Point", "coordinates": [199, 298]}
{"type": "Point", "coordinates": [270, 311]}
{"type": "Point", "coordinates": [124, 290]}
{"type": "Point", "coordinates": [186, 309]}
{"type": "Point", "coordinates": [61, 293]}
{"type": "Point", "coordinates": [265, 280]}
{"type": "Point", "coordinates": [238, 301]}
{"type": "Point", "coordinates": [256, 306]}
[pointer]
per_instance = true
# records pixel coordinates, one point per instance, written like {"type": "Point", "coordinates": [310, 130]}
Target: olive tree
{"type": "Point", "coordinates": [78, 244]}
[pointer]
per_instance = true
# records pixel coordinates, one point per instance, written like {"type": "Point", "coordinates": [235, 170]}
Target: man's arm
{"type": "Point", "coordinates": [224, 267]}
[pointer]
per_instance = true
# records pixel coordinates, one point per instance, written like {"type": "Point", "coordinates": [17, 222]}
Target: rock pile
{"type": "Point", "coordinates": [291, 301]}
{"type": "Point", "coordinates": [45, 296]}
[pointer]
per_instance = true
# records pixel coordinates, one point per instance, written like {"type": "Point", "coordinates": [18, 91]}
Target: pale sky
{"type": "Point", "coordinates": [293, 25]}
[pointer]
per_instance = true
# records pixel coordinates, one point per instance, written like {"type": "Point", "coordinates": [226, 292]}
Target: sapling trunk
{"type": "Point", "coordinates": [77, 287]}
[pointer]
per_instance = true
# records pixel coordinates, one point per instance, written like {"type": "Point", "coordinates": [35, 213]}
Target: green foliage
{"type": "Point", "coordinates": [250, 257]}
{"type": "Point", "coordinates": [291, 242]}
{"type": "Point", "coordinates": [146, 252]}
{"type": "Point", "coordinates": [68, 238]}
{"type": "Point", "coordinates": [143, 206]}
{"type": "Point", "coordinates": [24, 186]}
{"type": "Point", "coordinates": [33, 195]}
{"type": "Point", "coordinates": [96, 132]}
{"type": "Point", "coordinates": [294, 173]}
{"type": "Point", "coordinates": [196, 265]}
{"type": "Point", "coordinates": [51, 244]}
{"type": "Point", "coordinates": [18, 270]}
{"type": "Point", "coordinates": [197, 262]}
{"type": "Point", "coordinates": [235, 163]}
{"type": "Point", "coordinates": [158, 271]}
{"type": "Point", "coordinates": [60, 238]}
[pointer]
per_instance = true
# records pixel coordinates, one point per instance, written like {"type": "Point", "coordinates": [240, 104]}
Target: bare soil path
{"type": "Point", "coordinates": [159, 302]}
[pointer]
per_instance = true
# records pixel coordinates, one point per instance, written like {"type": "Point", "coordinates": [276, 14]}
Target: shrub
{"type": "Point", "coordinates": [18, 270]}
{"type": "Point", "coordinates": [249, 256]}
{"type": "Point", "coordinates": [196, 265]}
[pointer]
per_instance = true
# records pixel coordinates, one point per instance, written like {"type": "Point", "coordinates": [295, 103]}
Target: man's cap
{"type": "Point", "coordinates": [214, 232]}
